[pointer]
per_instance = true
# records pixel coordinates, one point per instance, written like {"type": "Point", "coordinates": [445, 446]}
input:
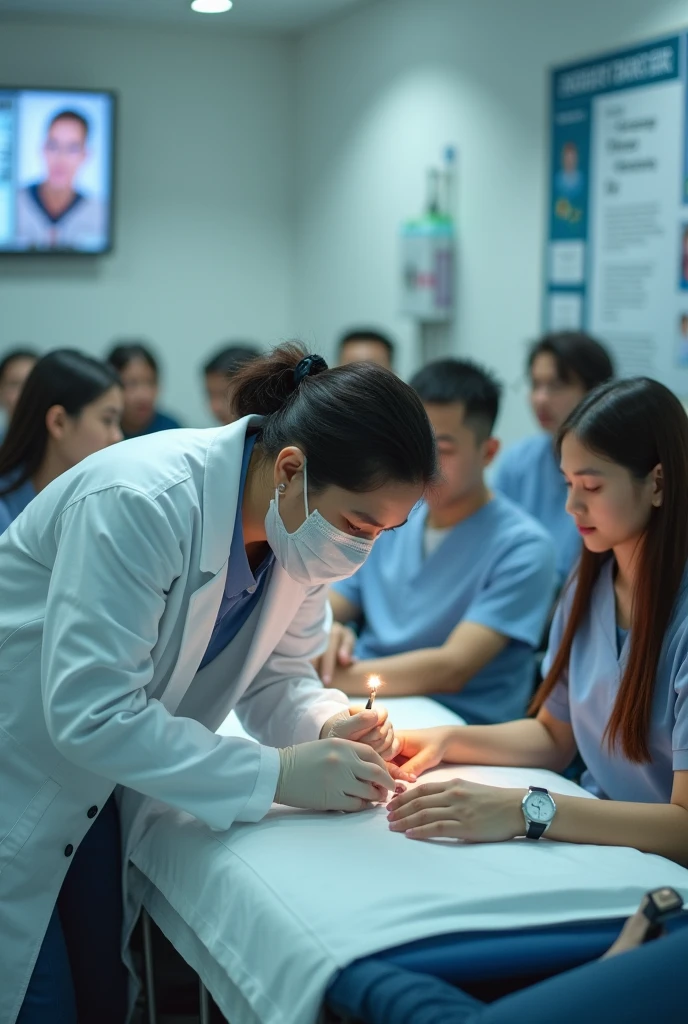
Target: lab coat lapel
{"type": "Point", "coordinates": [282, 597]}
{"type": "Point", "coordinates": [221, 491]}
{"type": "Point", "coordinates": [220, 495]}
{"type": "Point", "coordinates": [200, 619]}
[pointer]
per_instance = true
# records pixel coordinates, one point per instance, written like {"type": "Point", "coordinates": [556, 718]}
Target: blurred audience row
{"type": "Point", "coordinates": [65, 405]}
{"type": "Point", "coordinates": [139, 375]}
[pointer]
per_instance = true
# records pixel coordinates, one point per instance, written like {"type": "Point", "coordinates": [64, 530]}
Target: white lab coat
{"type": "Point", "coordinates": [110, 582]}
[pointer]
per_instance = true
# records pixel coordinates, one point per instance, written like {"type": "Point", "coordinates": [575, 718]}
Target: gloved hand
{"type": "Point", "coordinates": [331, 775]}
{"type": "Point", "coordinates": [370, 727]}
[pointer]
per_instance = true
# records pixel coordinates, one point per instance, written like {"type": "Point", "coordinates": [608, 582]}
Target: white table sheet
{"type": "Point", "coordinates": [267, 913]}
{"type": "Point", "coordinates": [404, 712]}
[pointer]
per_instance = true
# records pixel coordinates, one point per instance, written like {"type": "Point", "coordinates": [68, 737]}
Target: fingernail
{"type": "Point", "coordinates": [326, 680]}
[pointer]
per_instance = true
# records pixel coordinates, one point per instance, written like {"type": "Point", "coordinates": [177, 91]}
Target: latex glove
{"type": "Point", "coordinates": [370, 727]}
{"type": "Point", "coordinates": [332, 775]}
{"type": "Point", "coordinates": [340, 651]}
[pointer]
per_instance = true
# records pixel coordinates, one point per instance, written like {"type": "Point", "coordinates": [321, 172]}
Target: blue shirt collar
{"type": "Point", "coordinates": [36, 196]}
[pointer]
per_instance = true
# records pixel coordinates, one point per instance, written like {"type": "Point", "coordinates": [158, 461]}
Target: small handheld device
{"type": "Point", "coordinates": [373, 684]}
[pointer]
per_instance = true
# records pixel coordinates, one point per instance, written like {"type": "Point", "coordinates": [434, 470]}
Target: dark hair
{"type": "Point", "coordinates": [126, 351]}
{"type": "Point", "coordinates": [228, 360]}
{"type": "Point", "coordinates": [359, 425]}
{"type": "Point", "coordinates": [577, 357]}
{"type": "Point", "coordinates": [639, 424]}
{"type": "Point", "coordinates": [365, 334]}
{"type": "Point", "coordinates": [64, 377]}
{"type": "Point", "coordinates": [71, 115]}
{"type": "Point", "coordinates": [12, 355]}
{"type": "Point", "coordinates": [459, 380]}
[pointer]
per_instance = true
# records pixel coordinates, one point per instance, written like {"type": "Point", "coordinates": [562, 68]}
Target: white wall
{"type": "Point", "coordinates": [262, 181]}
{"type": "Point", "coordinates": [205, 183]}
{"type": "Point", "coordinates": [379, 94]}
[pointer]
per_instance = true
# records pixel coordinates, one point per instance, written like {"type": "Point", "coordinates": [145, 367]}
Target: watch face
{"type": "Point", "coordinates": [666, 900]}
{"type": "Point", "coordinates": [539, 807]}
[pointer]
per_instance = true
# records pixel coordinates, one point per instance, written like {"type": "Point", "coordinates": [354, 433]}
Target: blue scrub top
{"type": "Point", "coordinates": [160, 421]}
{"type": "Point", "coordinates": [15, 502]}
{"type": "Point", "coordinates": [585, 696]}
{"type": "Point", "coordinates": [495, 568]}
{"type": "Point", "coordinates": [242, 588]}
{"type": "Point", "coordinates": [529, 474]}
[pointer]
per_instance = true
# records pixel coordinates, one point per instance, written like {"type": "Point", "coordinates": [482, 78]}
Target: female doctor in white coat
{"type": "Point", "coordinates": [143, 595]}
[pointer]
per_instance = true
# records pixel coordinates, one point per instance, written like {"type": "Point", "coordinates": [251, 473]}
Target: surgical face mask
{"type": "Point", "coordinates": [317, 552]}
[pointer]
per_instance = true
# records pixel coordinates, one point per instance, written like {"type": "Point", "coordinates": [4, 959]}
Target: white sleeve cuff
{"type": "Point", "coordinates": [263, 795]}
{"type": "Point", "coordinates": [310, 724]}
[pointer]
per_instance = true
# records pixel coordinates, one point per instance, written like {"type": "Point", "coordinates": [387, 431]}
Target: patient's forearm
{"type": "Point", "coordinates": [651, 828]}
{"type": "Point", "coordinates": [404, 675]}
{"type": "Point", "coordinates": [526, 743]}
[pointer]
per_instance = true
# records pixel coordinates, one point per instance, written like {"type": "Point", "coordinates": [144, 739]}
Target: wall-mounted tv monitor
{"type": "Point", "coordinates": [56, 162]}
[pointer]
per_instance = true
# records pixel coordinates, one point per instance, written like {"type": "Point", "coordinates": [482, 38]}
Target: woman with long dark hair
{"type": "Point", "coordinates": [143, 596]}
{"type": "Point", "coordinates": [70, 407]}
{"type": "Point", "coordinates": [616, 674]}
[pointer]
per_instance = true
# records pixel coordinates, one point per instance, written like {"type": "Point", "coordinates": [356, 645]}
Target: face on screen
{"type": "Point", "coordinates": [64, 151]}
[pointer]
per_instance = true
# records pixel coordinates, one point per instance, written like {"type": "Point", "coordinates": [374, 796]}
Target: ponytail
{"type": "Point", "coordinates": [359, 426]}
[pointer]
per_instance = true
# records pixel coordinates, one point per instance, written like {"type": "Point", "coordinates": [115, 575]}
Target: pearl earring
{"type": "Point", "coordinates": [282, 488]}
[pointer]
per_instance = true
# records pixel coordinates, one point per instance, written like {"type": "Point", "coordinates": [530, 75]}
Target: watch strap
{"type": "Point", "coordinates": [535, 829]}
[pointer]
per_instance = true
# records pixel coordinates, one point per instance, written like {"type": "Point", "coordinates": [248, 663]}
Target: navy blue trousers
{"type": "Point", "coordinates": [645, 985]}
{"type": "Point", "coordinates": [79, 977]}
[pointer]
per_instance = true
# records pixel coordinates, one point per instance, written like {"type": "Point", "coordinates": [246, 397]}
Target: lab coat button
{"type": "Point", "coordinates": [69, 850]}
{"type": "Point", "coordinates": [251, 590]}
{"type": "Point", "coordinates": [91, 812]}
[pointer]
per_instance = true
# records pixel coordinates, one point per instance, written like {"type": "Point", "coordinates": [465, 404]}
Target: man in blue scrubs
{"type": "Point", "coordinates": [562, 368]}
{"type": "Point", "coordinates": [454, 604]}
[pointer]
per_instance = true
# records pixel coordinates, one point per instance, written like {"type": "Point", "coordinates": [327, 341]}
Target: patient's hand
{"type": "Point", "coordinates": [421, 749]}
{"type": "Point", "coordinates": [458, 809]}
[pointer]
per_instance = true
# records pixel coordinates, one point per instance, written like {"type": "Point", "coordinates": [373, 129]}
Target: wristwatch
{"type": "Point", "coordinates": [538, 809]}
{"type": "Point", "coordinates": [659, 906]}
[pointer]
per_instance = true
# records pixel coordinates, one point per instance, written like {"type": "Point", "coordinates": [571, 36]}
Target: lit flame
{"type": "Point", "coordinates": [373, 684]}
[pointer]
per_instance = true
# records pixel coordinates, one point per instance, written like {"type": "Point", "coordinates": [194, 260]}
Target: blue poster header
{"type": "Point", "coordinates": [627, 69]}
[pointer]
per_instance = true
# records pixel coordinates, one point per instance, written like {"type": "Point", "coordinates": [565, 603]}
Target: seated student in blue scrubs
{"type": "Point", "coordinates": [616, 673]}
{"type": "Point", "coordinates": [454, 604]}
{"type": "Point", "coordinates": [70, 407]}
{"type": "Point", "coordinates": [562, 369]}
{"type": "Point", "coordinates": [140, 376]}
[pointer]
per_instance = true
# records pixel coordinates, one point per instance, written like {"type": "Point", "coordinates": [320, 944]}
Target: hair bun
{"type": "Point", "coordinates": [308, 367]}
{"type": "Point", "coordinates": [268, 383]}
